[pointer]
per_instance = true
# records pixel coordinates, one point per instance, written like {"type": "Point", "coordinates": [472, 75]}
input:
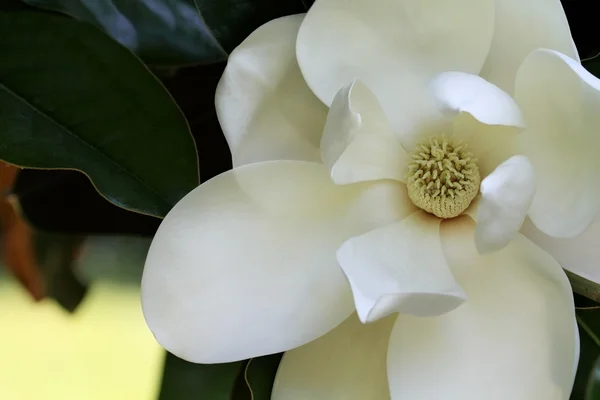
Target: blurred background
{"type": "Point", "coordinates": [102, 351]}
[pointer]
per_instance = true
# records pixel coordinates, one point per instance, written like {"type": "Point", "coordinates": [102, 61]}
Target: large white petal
{"type": "Point", "coordinates": [457, 92]}
{"type": "Point", "coordinates": [400, 268]}
{"type": "Point", "coordinates": [506, 196]}
{"type": "Point", "coordinates": [520, 28]}
{"type": "Point", "coordinates": [395, 47]}
{"type": "Point", "coordinates": [245, 265]}
{"type": "Point", "coordinates": [560, 102]}
{"type": "Point", "coordinates": [491, 144]}
{"type": "Point", "coordinates": [347, 363]}
{"type": "Point", "coordinates": [514, 338]}
{"type": "Point", "coordinates": [358, 143]}
{"type": "Point", "coordinates": [265, 108]}
{"type": "Point", "coordinates": [579, 254]}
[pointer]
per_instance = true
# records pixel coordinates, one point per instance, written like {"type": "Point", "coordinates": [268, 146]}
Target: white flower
{"type": "Point", "coordinates": [274, 255]}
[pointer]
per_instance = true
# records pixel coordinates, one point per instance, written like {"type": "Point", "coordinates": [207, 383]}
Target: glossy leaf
{"type": "Point", "coordinates": [66, 202]}
{"type": "Point", "coordinates": [187, 381]}
{"type": "Point", "coordinates": [198, 107]}
{"type": "Point", "coordinates": [231, 21]}
{"type": "Point", "coordinates": [159, 31]}
{"type": "Point", "coordinates": [584, 287]}
{"type": "Point", "coordinates": [176, 32]}
{"type": "Point", "coordinates": [71, 98]}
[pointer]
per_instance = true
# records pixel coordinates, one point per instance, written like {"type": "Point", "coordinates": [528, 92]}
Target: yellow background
{"type": "Point", "coordinates": [103, 351]}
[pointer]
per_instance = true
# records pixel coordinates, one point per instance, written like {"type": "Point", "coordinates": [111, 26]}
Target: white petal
{"type": "Point", "coordinates": [579, 254]}
{"type": "Point", "coordinates": [491, 144]}
{"type": "Point", "coordinates": [263, 104]}
{"type": "Point", "coordinates": [506, 196]}
{"type": "Point", "coordinates": [400, 267]}
{"type": "Point", "coordinates": [560, 102]}
{"type": "Point", "coordinates": [520, 28]}
{"type": "Point", "coordinates": [358, 143]}
{"type": "Point", "coordinates": [347, 363]}
{"type": "Point", "coordinates": [251, 253]}
{"type": "Point", "coordinates": [395, 47]}
{"type": "Point", "coordinates": [458, 92]}
{"type": "Point", "coordinates": [514, 338]}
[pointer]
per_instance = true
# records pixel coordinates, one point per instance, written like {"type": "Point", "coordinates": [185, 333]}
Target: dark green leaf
{"type": "Point", "coordinates": [588, 321]}
{"type": "Point", "coordinates": [593, 390]}
{"type": "Point", "coordinates": [259, 375]}
{"type": "Point", "coordinates": [175, 32]}
{"type": "Point", "coordinates": [231, 21]}
{"type": "Point", "coordinates": [66, 201]}
{"type": "Point", "coordinates": [186, 381]}
{"type": "Point", "coordinates": [583, 286]}
{"type": "Point", "coordinates": [159, 31]}
{"type": "Point", "coordinates": [199, 108]}
{"type": "Point", "coordinates": [71, 98]}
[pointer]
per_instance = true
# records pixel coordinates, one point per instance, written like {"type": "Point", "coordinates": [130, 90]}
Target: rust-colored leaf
{"type": "Point", "coordinates": [16, 240]}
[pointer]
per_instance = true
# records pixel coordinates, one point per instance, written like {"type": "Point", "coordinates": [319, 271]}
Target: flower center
{"type": "Point", "coordinates": [442, 178]}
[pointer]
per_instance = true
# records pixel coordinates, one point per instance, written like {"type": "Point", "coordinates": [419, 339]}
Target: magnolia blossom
{"type": "Point", "coordinates": [386, 154]}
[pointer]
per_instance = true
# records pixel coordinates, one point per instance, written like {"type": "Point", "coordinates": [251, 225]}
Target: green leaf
{"type": "Point", "coordinates": [231, 21]}
{"type": "Point", "coordinates": [187, 381]}
{"type": "Point", "coordinates": [199, 109]}
{"type": "Point", "coordinates": [176, 32]}
{"type": "Point", "coordinates": [71, 98]}
{"type": "Point", "coordinates": [588, 321]}
{"type": "Point", "coordinates": [583, 286]}
{"type": "Point", "coordinates": [593, 390]}
{"type": "Point", "coordinates": [66, 201]}
{"type": "Point", "coordinates": [259, 375]}
{"type": "Point", "coordinates": [159, 31]}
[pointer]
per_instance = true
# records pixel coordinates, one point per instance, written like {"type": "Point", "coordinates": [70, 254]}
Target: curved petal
{"type": "Point", "coordinates": [347, 363]}
{"type": "Point", "coordinates": [400, 268]}
{"type": "Point", "coordinates": [458, 92]}
{"type": "Point", "coordinates": [252, 252]}
{"type": "Point", "coordinates": [358, 143]}
{"type": "Point", "coordinates": [395, 47]}
{"type": "Point", "coordinates": [513, 339]}
{"type": "Point", "coordinates": [506, 196]}
{"type": "Point", "coordinates": [579, 254]}
{"type": "Point", "coordinates": [560, 102]}
{"type": "Point", "coordinates": [263, 104]}
{"type": "Point", "coordinates": [521, 27]}
{"type": "Point", "coordinates": [491, 144]}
